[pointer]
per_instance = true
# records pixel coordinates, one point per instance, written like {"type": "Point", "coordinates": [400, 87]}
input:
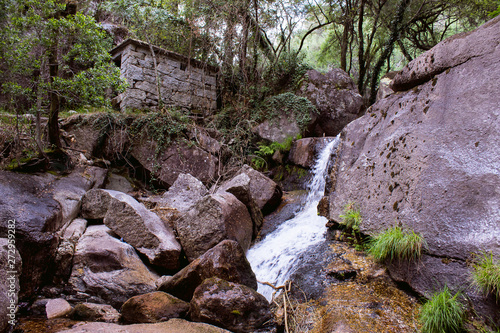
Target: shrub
{"type": "Point", "coordinates": [486, 274]}
{"type": "Point", "coordinates": [396, 243]}
{"type": "Point", "coordinates": [442, 313]}
{"type": "Point", "coordinates": [351, 218]}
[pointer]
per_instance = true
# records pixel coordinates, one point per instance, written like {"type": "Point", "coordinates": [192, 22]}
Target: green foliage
{"type": "Point", "coordinates": [396, 243]}
{"type": "Point", "coordinates": [260, 161]}
{"type": "Point", "coordinates": [486, 274]}
{"type": "Point", "coordinates": [300, 108]}
{"type": "Point", "coordinates": [494, 13]}
{"type": "Point", "coordinates": [351, 218]}
{"type": "Point", "coordinates": [162, 127]}
{"type": "Point", "coordinates": [443, 313]}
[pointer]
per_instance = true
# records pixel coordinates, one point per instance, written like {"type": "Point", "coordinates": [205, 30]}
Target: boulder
{"type": "Point", "coordinates": [335, 96]}
{"type": "Point", "coordinates": [450, 53]}
{"type": "Point", "coordinates": [40, 205]}
{"type": "Point", "coordinates": [227, 261]}
{"type": "Point", "coordinates": [279, 128]}
{"type": "Point", "coordinates": [175, 159]}
{"type": "Point", "coordinates": [139, 227]}
{"type": "Point", "coordinates": [104, 266]}
{"type": "Point", "coordinates": [171, 326]}
{"type": "Point", "coordinates": [213, 219]}
{"type": "Point", "coordinates": [9, 288]}
{"type": "Point", "coordinates": [304, 151]}
{"type": "Point", "coordinates": [266, 193]}
{"type": "Point", "coordinates": [229, 305]}
{"type": "Point", "coordinates": [384, 86]}
{"type": "Point", "coordinates": [95, 312]}
{"type": "Point", "coordinates": [66, 249]}
{"type": "Point", "coordinates": [57, 307]}
{"type": "Point", "coordinates": [118, 183]}
{"type": "Point", "coordinates": [239, 186]}
{"type": "Point", "coordinates": [429, 159]}
{"type": "Point", "coordinates": [153, 308]}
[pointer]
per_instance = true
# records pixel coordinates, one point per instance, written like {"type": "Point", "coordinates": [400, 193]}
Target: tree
{"type": "Point", "coordinates": [54, 53]}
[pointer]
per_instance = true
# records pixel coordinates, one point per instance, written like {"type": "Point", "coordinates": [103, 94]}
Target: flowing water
{"type": "Point", "coordinates": [273, 259]}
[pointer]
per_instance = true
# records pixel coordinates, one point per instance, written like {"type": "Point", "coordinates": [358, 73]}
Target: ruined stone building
{"type": "Point", "coordinates": [183, 82]}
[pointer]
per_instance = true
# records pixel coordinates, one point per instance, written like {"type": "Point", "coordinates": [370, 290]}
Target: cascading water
{"type": "Point", "coordinates": [273, 259]}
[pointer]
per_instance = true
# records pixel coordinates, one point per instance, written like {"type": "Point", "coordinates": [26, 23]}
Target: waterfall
{"type": "Point", "coordinates": [273, 258]}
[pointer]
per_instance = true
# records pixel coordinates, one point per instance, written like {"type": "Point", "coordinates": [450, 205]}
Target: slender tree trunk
{"type": "Point", "coordinates": [361, 50]}
{"type": "Point", "coordinates": [388, 47]}
{"type": "Point", "coordinates": [53, 123]}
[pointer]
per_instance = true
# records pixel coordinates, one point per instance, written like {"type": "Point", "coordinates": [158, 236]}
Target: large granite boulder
{"type": "Point", "coordinates": [95, 312]}
{"type": "Point", "coordinates": [429, 159]}
{"type": "Point", "coordinates": [213, 219]}
{"type": "Point", "coordinates": [335, 96]}
{"type": "Point", "coordinates": [227, 261]}
{"type": "Point", "coordinates": [266, 193]}
{"type": "Point", "coordinates": [229, 305]}
{"type": "Point", "coordinates": [105, 267]}
{"type": "Point", "coordinates": [171, 326]}
{"type": "Point", "coordinates": [138, 226]}
{"type": "Point", "coordinates": [153, 308]}
{"type": "Point", "coordinates": [9, 288]}
{"type": "Point", "coordinates": [177, 158]}
{"type": "Point", "coordinates": [239, 186]}
{"type": "Point", "coordinates": [41, 205]}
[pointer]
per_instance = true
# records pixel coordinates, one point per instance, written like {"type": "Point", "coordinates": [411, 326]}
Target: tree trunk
{"type": "Point", "coordinates": [361, 50]}
{"type": "Point", "coordinates": [388, 47]}
{"type": "Point", "coordinates": [53, 123]}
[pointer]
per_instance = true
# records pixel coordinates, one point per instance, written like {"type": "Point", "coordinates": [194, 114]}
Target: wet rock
{"type": "Point", "coordinates": [239, 186]}
{"type": "Point", "coordinates": [335, 96]}
{"type": "Point", "coordinates": [213, 219]}
{"type": "Point", "coordinates": [139, 227]}
{"type": "Point", "coordinates": [428, 159]}
{"type": "Point", "coordinates": [304, 151]}
{"type": "Point", "coordinates": [152, 308]}
{"type": "Point", "coordinates": [66, 248]}
{"type": "Point", "coordinates": [95, 312]}
{"type": "Point", "coordinates": [229, 305]}
{"type": "Point", "coordinates": [265, 191]}
{"type": "Point", "coordinates": [57, 307]}
{"type": "Point", "coordinates": [40, 206]}
{"type": "Point", "coordinates": [175, 159]}
{"type": "Point", "coordinates": [171, 326]}
{"type": "Point", "coordinates": [10, 282]}
{"type": "Point", "coordinates": [227, 261]}
{"type": "Point", "coordinates": [104, 266]}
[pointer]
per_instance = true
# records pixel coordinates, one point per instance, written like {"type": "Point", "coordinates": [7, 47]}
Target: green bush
{"type": "Point", "coordinates": [486, 274]}
{"type": "Point", "coordinates": [396, 243]}
{"type": "Point", "coordinates": [351, 218]}
{"type": "Point", "coordinates": [443, 313]}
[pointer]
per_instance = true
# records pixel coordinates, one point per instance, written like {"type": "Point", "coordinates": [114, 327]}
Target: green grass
{"type": "Point", "coordinates": [443, 313]}
{"type": "Point", "coordinates": [351, 218]}
{"type": "Point", "coordinates": [486, 275]}
{"type": "Point", "coordinates": [396, 243]}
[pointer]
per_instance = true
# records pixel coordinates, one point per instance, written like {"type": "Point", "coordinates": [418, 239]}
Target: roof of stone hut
{"type": "Point", "coordinates": [172, 55]}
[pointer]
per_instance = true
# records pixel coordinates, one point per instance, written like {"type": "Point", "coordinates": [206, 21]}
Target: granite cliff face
{"type": "Point", "coordinates": [429, 158]}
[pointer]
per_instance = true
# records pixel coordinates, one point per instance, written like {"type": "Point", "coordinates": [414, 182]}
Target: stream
{"type": "Point", "coordinates": [273, 259]}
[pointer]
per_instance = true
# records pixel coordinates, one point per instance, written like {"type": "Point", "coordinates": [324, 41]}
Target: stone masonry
{"type": "Point", "coordinates": [184, 82]}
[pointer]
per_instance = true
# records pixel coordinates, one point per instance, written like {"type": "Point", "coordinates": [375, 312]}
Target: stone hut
{"type": "Point", "coordinates": [183, 82]}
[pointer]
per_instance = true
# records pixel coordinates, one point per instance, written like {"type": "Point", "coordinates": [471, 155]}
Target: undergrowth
{"type": "Point", "coordinates": [486, 275]}
{"type": "Point", "coordinates": [397, 243]}
{"type": "Point", "coordinates": [443, 313]}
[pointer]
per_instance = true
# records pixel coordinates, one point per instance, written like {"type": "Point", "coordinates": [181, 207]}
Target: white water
{"type": "Point", "coordinates": [273, 259]}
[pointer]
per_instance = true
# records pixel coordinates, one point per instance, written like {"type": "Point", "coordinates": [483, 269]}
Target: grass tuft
{"type": "Point", "coordinates": [486, 275]}
{"type": "Point", "coordinates": [396, 243]}
{"type": "Point", "coordinates": [351, 218]}
{"type": "Point", "coordinates": [442, 313]}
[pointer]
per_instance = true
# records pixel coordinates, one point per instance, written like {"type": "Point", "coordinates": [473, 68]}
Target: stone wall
{"type": "Point", "coordinates": [184, 82]}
